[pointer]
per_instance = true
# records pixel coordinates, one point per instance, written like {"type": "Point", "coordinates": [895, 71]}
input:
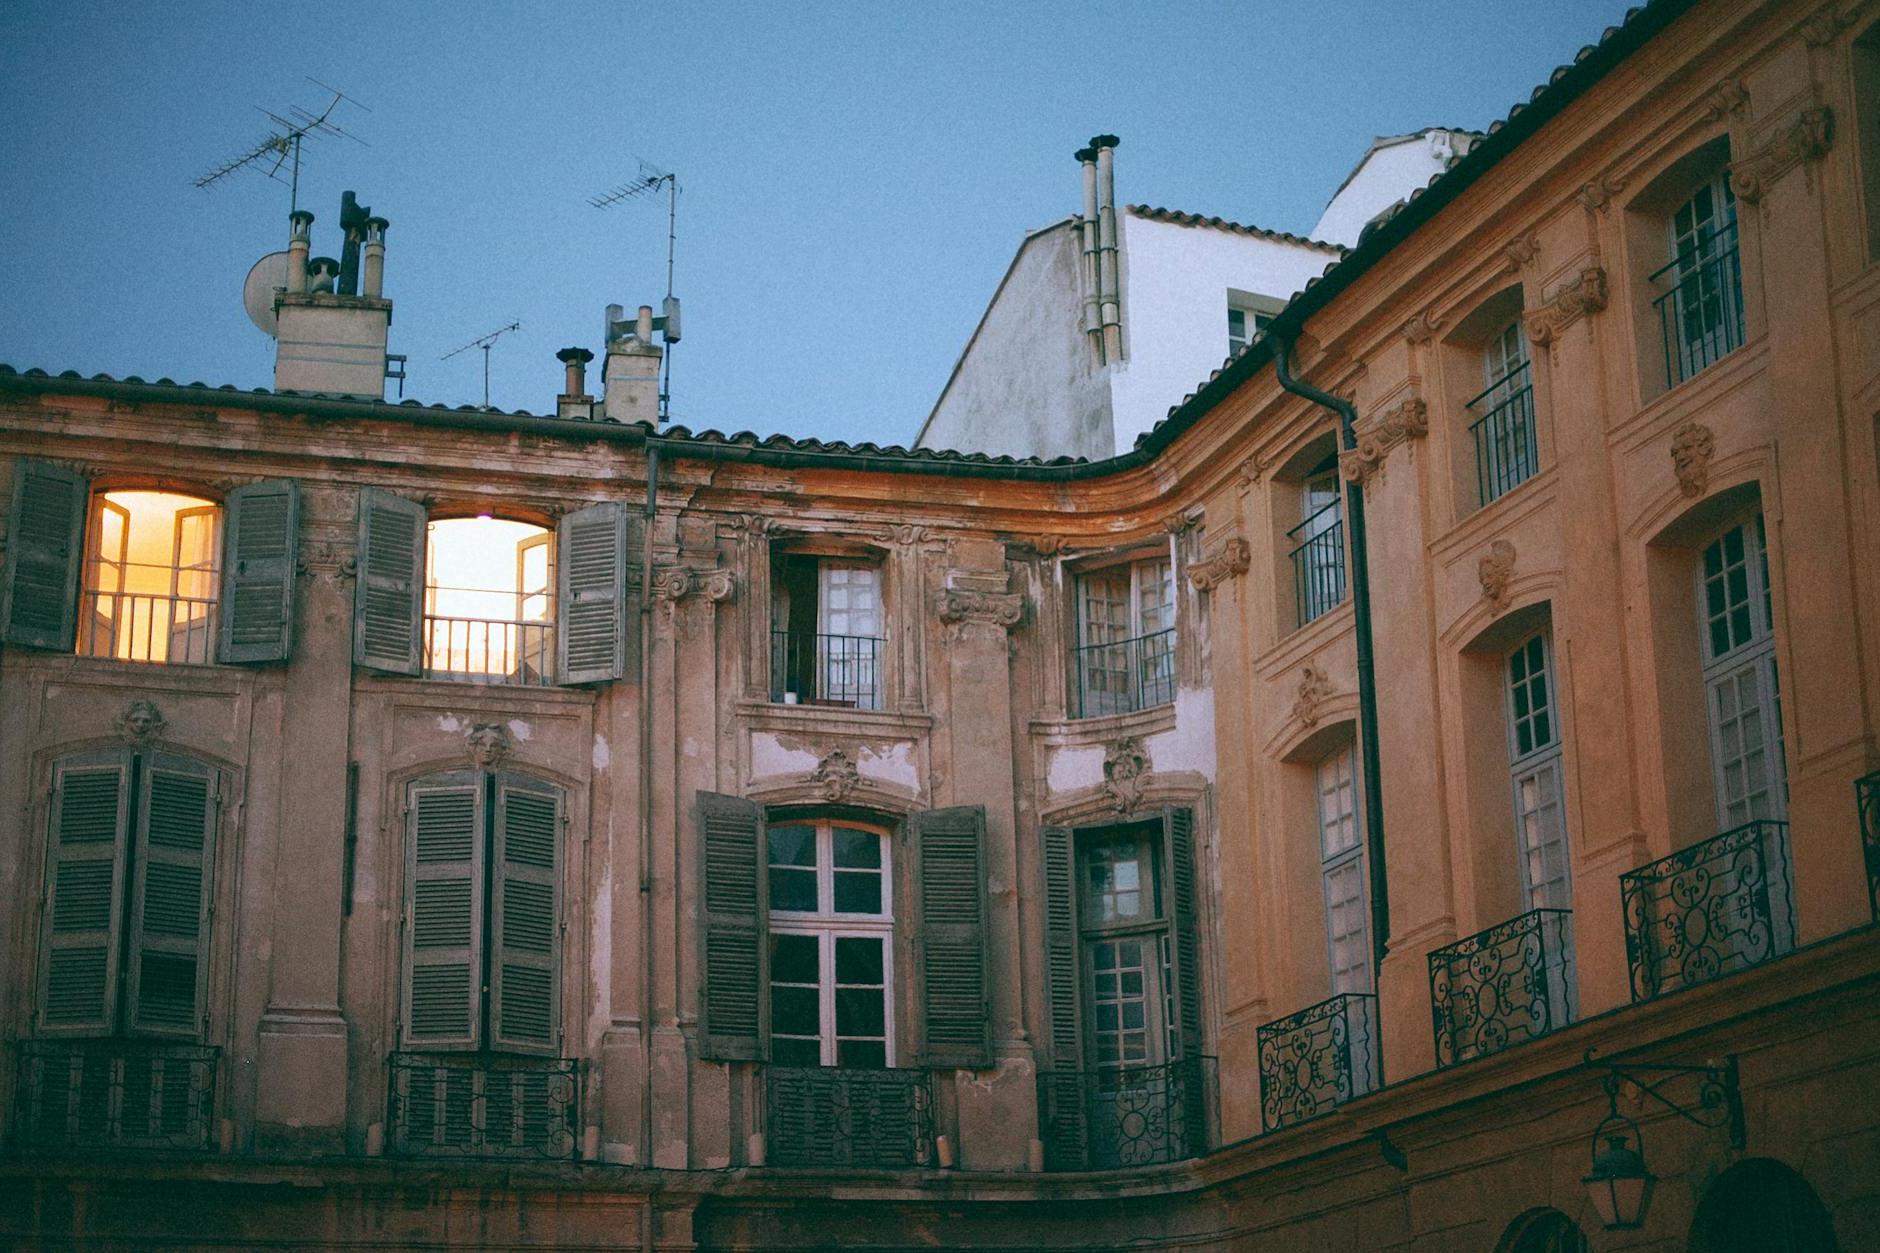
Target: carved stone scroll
{"type": "Point", "coordinates": [1125, 771]}
{"type": "Point", "coordinates": [1379, 433]}
{"type": "Point", "coordinates": [1231, 559]}
{"type": "Point", "coordinates": [1806, 138]}
{"type": "Point", "coordinates": [1583, 294]}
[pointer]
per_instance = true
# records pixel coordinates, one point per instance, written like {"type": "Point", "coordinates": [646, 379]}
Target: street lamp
{"type": "Point", "coordinates": [1619, 1183]}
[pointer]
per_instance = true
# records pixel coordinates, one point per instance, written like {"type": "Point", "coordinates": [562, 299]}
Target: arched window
{"type": "Point", "coordinates": [1542, 1230]}
{"type": "Point", "coordinates": [1761, 1206]}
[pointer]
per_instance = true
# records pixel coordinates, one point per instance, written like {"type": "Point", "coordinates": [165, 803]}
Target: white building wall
{"type": "Point", "coordinates": [1389, 172]}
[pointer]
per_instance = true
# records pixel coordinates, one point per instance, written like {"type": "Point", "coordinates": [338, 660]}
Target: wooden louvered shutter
{"type": "Point", "coordinates": [258, 553]}
{"type": "Point", "coordinates": [388, 605]}
{"type": "Point", "coordinates": [444, 911]}
{"type": "Point", "coordinates": [591, 558]}
{"type": "Point", "coordinates": [174, 855]}
{"type": "Point", "coordinates": [733, 926]}
{"type": "Point", "coordinates": [1178, 852]}
{"type": "Point", "coordinates": [45, 538]}
{"type": "Point", "coordinates": [951, 858]}
{"type": "Point", "coordinates": [525, 917]}
{"type": "Point", "coordinates": [1063, 1119]}
{"type": "Point", "coordinates": [85, 882]}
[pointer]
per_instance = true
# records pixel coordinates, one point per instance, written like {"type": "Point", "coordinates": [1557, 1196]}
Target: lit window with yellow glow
{"type": "Point", "coordinates": [489, 601]}
{"type": "Point", "coordinates": [151, 578]}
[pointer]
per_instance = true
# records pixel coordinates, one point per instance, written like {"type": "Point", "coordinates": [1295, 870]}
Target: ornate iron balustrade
{"type": "Point", "coordinates": [1714, 908]}
{"type": "Point", "coordinates": [1318, 563]}
{"type": "Point", "coordinates": [841, 1116]}
{"type": "Point", "coordinates": [1507, 452]}
{"type": "Point", "coordinates": [489, 650]}
{"type": "Point", "coordinates": [1504, 986]}
{"type": "Point", "coordinates": [116, 1093]}
{"type": "Point", "coordinates": [484, 1105]}
{"type": "Point", "coordinates": [1317, 1059]}
{"type": "Point", "coordinates": [1700, 316]}
{"type": "Point", "coordinates": [1125, 1116]}
{"type": "Point", "coordinates": [1867, 797]}
{"type": "Point", "coordinates": [1123, 676]}
{"type": "Point", "coordinates": [825, 669]}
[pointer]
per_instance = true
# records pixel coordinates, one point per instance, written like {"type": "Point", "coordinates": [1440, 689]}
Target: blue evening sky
{"type": "Point", "coordinates": [855, 176]}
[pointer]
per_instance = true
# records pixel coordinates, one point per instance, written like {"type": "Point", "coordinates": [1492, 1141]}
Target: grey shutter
{"type": "Point", "coordinates": [174, 854]}
{"type": "Point", "coordinates": [951, 859]}
{"type": "Point", "coordinates": [525, 917]}
{"type": "Point", "coordinates": [45, 538]}
{"type": "Point", "coordinates": [258, 553]}
{"type": "Point", "coordinates": [444, 911]}
{"type": "Point", "coordinates": [85, 883]}
{"type": "Point", "coordinates": [591, 560]}
{"type": "Point", "coordinates": [1064, 1123]}
{"type": "Point", "coordinates": [733, 927]}
{"type": "Point", "coordinates": [1178, 852]}
{"type": "Point", "coordinates": [388, 606]}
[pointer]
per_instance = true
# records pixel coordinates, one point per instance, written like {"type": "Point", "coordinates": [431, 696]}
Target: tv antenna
{"type": "Point", "coordinates": [282, 145]}
{"type": "Point", "coordinates": [644, 184]}
{"type": "Point", "coordinates": [484, 342]}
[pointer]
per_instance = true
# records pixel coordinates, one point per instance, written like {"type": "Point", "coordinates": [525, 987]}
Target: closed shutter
{"type": "Point", "coordinates": [1064, 1124]}
{"type": "Point", "coordinates": [85, 874]}
{"type": "Point", "coordinates": [525, 917]}
{"type": "Point", "coordinates": [950, 848]}
{"type": "Point", "coordinates": [733, 922]}
{"type": "Point", "coordinates": [173, 855]}
{"type": "Point", "coordinates": [388, 606]}
{"type": "Point", "coordinates": [259, 551]}
{"type": "Point", "coordinates": [1178, 841]}
{"type": "Point", "coordinates": [45, 535]}
{"type": "Point", "coordinates": [444, 911]}
{"type": "Point", "coordinates": [592, 558]}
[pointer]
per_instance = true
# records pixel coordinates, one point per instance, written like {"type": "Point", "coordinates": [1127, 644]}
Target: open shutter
{"type": "Point", "coordinates": [592, 560]}
{"type": "Point", "coordinates": [1178, 851]}
{"type": "Point", "coordinates": [733, 922]}
{"type": "Point", "coordinates": [443, 911]}
{"type": "Point", "coordinates": [85, 882]}
{"type": "Point", "coordinates": [45, 538]}
{"type": "Point", "coordinates": [525, 917]}
{"type": "Point", "coordinates": [1063, 1120]}
{"type": "Point", "coordinates": [388, 606]}
{"type": "Point", "coordinates": [174, 846]}
{"type": "Point", "coordinates": [258, 552]}
{"type": "Point", "coordinates": [950, 848]}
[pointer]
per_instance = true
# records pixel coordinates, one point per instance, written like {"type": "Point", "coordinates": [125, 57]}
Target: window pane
{"type": "Point", "coordinates": [858, 892]}
{"type": "Point", "coordinates": [793, 846]}
{"type": "Point", "coordinates": [860, 1011]}
{"type": "Point", "coordinates": [794, 1011]}
{"type": "Point", "coordinates": [855, 849]}
{"type": "Point", "coordinates": [793, 959]}
{"type": "Point", "coordinates": [793, 891]}
{"type": "Point", "coordinates": [858, 959]}
{"type": "Point", "coordinates": [787, 1052]}
{"type": "Point", "coordinates": [862, 1054]}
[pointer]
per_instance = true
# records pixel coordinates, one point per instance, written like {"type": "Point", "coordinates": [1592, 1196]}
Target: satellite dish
{"type": "Point", "coordinates": [258, 291]}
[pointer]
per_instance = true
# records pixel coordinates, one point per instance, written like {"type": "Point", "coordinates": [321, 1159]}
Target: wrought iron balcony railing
{"type": "Point", "coordinates": [1504, 986]}
{"type": "Point", "coordinates": [134, 626]}
{"type": "Point", "coordinates": [825, 669]}
{"type": "Point", "coordinates": [489, 650]}
{"type": "Point", "coordinates": [116, 1093]}
{"type": "Point", "coordinates": [1716, 907]}
{"type": "Point", "coordinates": [484, 1105]}
{"type": "Point", "coordinates": [848, 1117]}
{"type": "Point", "coordinates": [1867, 797]}
{"type": "Point", "coordinates": [1317, 1059]}
{"type": "Point", "coordinates": [1123, 676]}
{"type": "Point", "coordinates": [1700, 313]}
{"type": "Point", "coordinates": [1125, 1116]}
{"type": "Point", "coordinates": [1318, 561]}
{"type": "Point", "coordinates": [1507, 451]}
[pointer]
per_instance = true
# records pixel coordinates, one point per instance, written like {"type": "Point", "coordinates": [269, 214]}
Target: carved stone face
{"type": "Point", "coordinates": [141, 721]}
{"type": "Point", "coordinates": [1691, 448]}
{"type": "Point", "coordinates": [489, 743]}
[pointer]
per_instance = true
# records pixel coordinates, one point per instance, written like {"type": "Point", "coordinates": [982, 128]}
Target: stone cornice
{"type": "Point", "coordinates": [1378, 433]}
{"type": "Point", "coordinates": [1584, 293]}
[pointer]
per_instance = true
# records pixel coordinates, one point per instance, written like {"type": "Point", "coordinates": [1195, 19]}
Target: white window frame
{"type": "Point", "coordinates": [189, 617]}
{"type": "Point", "coordinates": [827, 925]}
{"type": "Point", "coordinates": [1144, 570]}
{"type": "Point", "coordinates": [1746, 665]}
{"type": "Point", "coordinates": [1338, 809]}
{"type": "Point", "coordinates": [1252, 322]}
{"type": "Point", "coordinates": [1692, 249]}
{"type": "Point", "coordinates": [1152, 928]}
{"type": "Point", "coordinates": [1536, 780]}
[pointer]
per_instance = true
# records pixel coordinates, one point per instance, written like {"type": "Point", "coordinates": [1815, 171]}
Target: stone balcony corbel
{"type": "Point", "coordinates": [1378, 433]}
{"type": "Point", "coordinates": [1230, 560]}
{"type": "Point", "coordinates": [1583, 294]}
{"type": "Point", "coordinates": [1804, 138]}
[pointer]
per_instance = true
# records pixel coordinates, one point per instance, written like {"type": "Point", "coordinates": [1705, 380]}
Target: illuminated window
{"type": "Point", "coordinates": [151, 578]}
{"type": "Point", "coordinates": [489, 601]}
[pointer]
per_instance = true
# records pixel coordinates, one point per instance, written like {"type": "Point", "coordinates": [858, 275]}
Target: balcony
{"type": "Point", "coordinates": [1123, 676]}
{"type": "Point", "coordinates": [1867, 797]}
{"type": "Point", "coordinates": [116, 1094]}
{"type": "Point", "coordinates": [1712, 909]}
{"type": "Point", "coordinates": [1125, 1116]}
{"type": "Point", "coordinates": [849, 1117]}
{"type": "Point", "coordinates": [135, 626]}
{"type": "Point", "coordinates": [1700, 311]}
{"type": "Point", "coordinates": [841, 670]}
{"type": "Point", "coordinates": [1507, 452]}
{"type": "Point", "coordinates": [1315, 1060]}
{"type": "Point", "coordinates": [483, 1105]}
{"type": "Point", "coordinates": [1504, 986]}
{"type": "Point", "coordinates": [489, 650]}
{"type": "Point", "coordinates": [1318, 561]}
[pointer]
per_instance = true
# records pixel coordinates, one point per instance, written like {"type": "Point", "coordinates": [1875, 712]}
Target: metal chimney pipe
{"type": "Point", "coordinates": [1087, 228]}
{"type": "Point", "coordinates": [323, 273]}
{"type": "Point", "coordinates": [299, 241]}
{"type": "Point", "coordinates": [576, 360]}
{"type": "Point", "coordinates": [1108, 287]}
{"type": "Point", "coordinates": [374, 281]}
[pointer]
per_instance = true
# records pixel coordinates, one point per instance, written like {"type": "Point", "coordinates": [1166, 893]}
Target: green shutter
{"type": "Point", "coordinates": [388, 605]}
{"type": "Point", "coordinates": [174, 854]}
{"type": "Point", "coordinates": [591, 557]}
{"type": "Point", "coordinates": [1063, 1119]}
{"type": "Point", "coordinates": [258, 553]}
{"type": "Point", "coordinates": [1178, 851]}
{"type": "Point", "coordinates": [44, 539]}
{"type": "Point", "coordinates": [951, 859]}
{"type": "Point", "coordinates": [444, 911]}
{"type": "Point", "coordinates": [733, 926]}
{"type": "Point", "coordinates": [85, 883]}
{"type": "Point", "coordinates": [525, 917]}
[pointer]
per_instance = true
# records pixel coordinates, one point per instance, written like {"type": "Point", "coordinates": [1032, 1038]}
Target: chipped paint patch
{"type": "Point", "coordinates": [449, 722]}
{"type": "Point", "coordinates": [600, 752]}
{"type": "Point", "coordinates": [1189, 744]}
{"type": "Point", "coordinates": [519, 731]}
{"type": "Point", "coordinates": [893, 764]}
{"type": "Point", "coordinates": [1074, 767]}
{"type": "Point", "coordinates": [770, 756]}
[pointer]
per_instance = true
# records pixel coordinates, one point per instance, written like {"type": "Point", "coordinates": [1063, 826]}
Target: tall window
{"type": "Point", "coordinates": [1740, 682]}
{"type": "Point", "coordinates": [1126, 637]}
{"type": "Point", "coordinates": [1507, 452]}
{"type": "Point", "coordinates": [1126, 952]}
{"type": "Point", "coordinates": [831, 946]}
{"type": "Point", "coordinates": [151, 576]}
{"type": "Point", "coordinates": [826, 632]}
{"type": "Point", "coordinates": [1318, 544]}
{"type": "Point", "coordinates": [1534, 774]}
{"type": "Point", "coordinates": [489, 601]}
{"type": "Point", "coordinates": [1341, 853]}
{"type": "Point", "coordinates": [1700, 308]}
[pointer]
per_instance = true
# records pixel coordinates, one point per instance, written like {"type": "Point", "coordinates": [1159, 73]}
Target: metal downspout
{"type": "Point", "coordinates": [1373, 793]}
{"type": "Point", "coordinates": [646, 817]}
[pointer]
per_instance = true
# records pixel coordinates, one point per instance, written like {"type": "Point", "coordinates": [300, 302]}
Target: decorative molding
{"type": "Point", "coordinates": [836, 775]}
{"type": "Point", "coordinates": [759, 526]}
{"type": "Point", "coordinates": [672, 584]}
{"type": "Point", "coordinates": [1806, 138]}
{"type": "Point", "coordinates": [1230, 559]}
{"type": "Point", "coordinates": [1422, 328]}
{"type": "Point", "coordinates": [1125, 773]}
{"type": "Point", "coordinates": [1691, 448]}
{"type": "Point", "coordinates": [967, 609]}
{"type": "Point", "coordinates": [1253, 469]}
{"type": "Point", "coordinates": [1597, 195]}
{"type": "Point", "coordinates": [906, 533]}
{"type": "Point", "coordinates": [1378, 433]}
{"type": "Point", "coordinates": [1583, 294]}
{"type": "Point", "coordinates": [1496, 572]}
{"type": "Point", "coordinates": [488, 743]}
{"type": "Point", "coordinates": [141, 723]}
{"type": "Point", "coordinates": [718, 584]}
{"type": "Point", "coordinates": [1821, 27]}
{"type": "Point", "coordinates": [328, 560]}
{"type": "Point", "coordinates": [1315, 688]}
{"type": "Point", "coordinates": [1726, 99]}
{"type": "Point", "coordinates": [1178, 523]}
{"type": "Point", "coordinates": [1521, 250]}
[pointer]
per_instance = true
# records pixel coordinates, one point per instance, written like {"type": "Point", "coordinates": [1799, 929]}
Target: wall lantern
{"type": "Point", "coordinates": [1619, 1183]}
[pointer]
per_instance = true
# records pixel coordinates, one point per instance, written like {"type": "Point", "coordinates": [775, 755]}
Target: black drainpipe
{"type": "Point", "coordinates": [1372, 797]}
